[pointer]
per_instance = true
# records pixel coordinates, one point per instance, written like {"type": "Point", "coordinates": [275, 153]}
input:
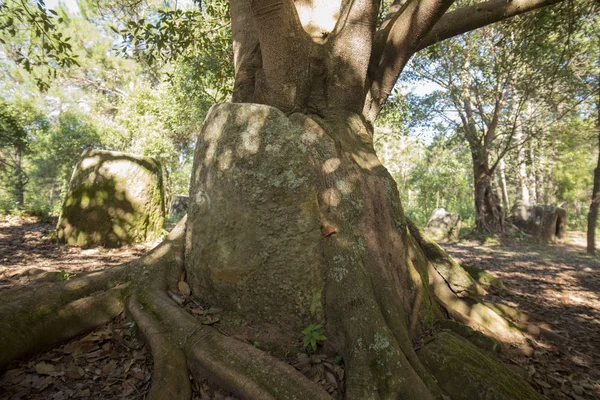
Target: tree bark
{"type": "Point", "coordinates": [503, 186]}
{"type": "Point", "coordinates": [20, 179]}
{"type": "Point", "coordinates": [595, 203]}
{"type": "Point", "coordinates": [488, 213]}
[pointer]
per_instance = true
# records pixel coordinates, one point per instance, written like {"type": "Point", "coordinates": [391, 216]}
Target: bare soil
{"type": "Point", "coordinates": [557, 284]}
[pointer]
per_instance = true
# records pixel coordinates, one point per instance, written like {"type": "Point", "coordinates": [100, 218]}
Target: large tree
{"type": "Point", "coordinates": [376, 282]}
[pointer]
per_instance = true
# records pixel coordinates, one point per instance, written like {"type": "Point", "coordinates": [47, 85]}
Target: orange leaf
{"type": "Point", "coordinates": [327, 230]}
{"type": "Point", "coordinates": [184, 288]}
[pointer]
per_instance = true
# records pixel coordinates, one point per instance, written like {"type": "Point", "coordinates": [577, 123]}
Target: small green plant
{"type": "Point", "coordinates": [237, 322]}
{"type": "Point", "coordinates": [313, 334]}
{"type": "Point", "coordinates": [52, 236]}
{"type": "Point", "coordinates": [64, 275]}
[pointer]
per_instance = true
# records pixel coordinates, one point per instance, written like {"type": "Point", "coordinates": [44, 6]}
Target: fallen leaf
{"type": "Point", "coordinates": [108, 368]}
{"type": "Point", "coordinates": [176, 298]}
{"type": "Point", "coordinates": [210, 320]}
{"type": "Point", "coordinates": [327, 230]}
{"type": "Point", "coordinates": [45, 368]}
{"type": "Point", "coordinates": [75, 372]}
{"type": "Point", "coordinates": [184, 288]}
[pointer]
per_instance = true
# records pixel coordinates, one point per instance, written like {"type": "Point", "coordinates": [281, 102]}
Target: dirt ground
{"type": "Point", "coordinates": [557, 284]}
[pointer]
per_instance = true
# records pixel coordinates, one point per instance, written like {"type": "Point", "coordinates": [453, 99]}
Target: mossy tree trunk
{"type": "Point", "coordinates": [383, 284]}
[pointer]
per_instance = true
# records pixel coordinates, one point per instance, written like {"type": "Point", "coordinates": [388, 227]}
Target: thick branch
{"type": "Point", "coordinates": [285, 48]}
{"type": "Point", "coordinates": [479, 15]}
{"type": "Point", "coordinates": [351, 50]}
{"type": "Point", "coordinates": [395, 44]}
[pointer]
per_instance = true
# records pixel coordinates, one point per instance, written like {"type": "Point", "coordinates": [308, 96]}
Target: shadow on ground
{"type": "Point", "coordinates": [555, 283]}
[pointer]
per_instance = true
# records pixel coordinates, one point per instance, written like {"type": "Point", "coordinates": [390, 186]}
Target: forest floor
{"type": "Point", "coordinates": [557, 284]}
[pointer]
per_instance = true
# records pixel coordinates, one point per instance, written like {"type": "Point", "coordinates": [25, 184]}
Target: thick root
{"type": "Point", "coordinates": [170, 375]}
{"type": "Point", "coordinates": [458, 293]}
{"type": "Point", "coordinates": [233, 365]}
{"type": "Point", "coordinates": [35, 320]}
{"type": "Point", "coordinates": [465, 372]}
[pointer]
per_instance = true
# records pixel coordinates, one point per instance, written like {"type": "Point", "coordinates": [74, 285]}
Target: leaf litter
{"type": "Point", "coordinates": [556, 284]}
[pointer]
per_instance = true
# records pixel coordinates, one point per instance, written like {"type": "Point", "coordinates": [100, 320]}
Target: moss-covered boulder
{"type": "Point", "coordinates": [465, 372]}
{"type": "Point", "coordinates": [443, 225]}
{"type": "Point", "coordinates": [254, 242]}
{"type": "Point", "coordinates": [544, 222]}
{"type": "Point", "coordinates": [113, 199]}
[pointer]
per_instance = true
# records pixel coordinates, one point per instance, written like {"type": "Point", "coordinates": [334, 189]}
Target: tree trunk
{"type": "Point", "coordinates": [539, 176]}
{"type": "Point", "coordinates": [523, 179]}
{"type": "Point", "coordinates": [20, 180]}
{"type": "Point", "coordinates": [593, 213]}
{"type": "Point", "coordinates": [488, 213]}
{"type": "Point", "coordinates": [533, 192]}
{"type": "Point", "coordinates": [503, 186]}
{"type": "Point", "coordinates": [595, 204]}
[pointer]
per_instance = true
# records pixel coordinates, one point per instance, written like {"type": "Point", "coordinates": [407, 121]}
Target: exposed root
{"type": "Point", "coordinates": [446, 277]}
{"type": "Point", "coordinates": [35, 320]}
{"type": "Point", "coordinates": [27, 331]}
{"type": "Point", "coordinates": [464, 372]}
{"type": "Point", "coordinates": [170, 374]}
{"type": "Point", "coordinates": [235, 366]}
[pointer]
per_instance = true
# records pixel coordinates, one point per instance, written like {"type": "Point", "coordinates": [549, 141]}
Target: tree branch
{"type": "Point", "coordinates": [395, 44]}
{"type": "Point", "coordinates": [351, 43]}
{"type": "Point", "coordinates": [476, 16]}
{"type": "Point", "coordinates": [284, 47]}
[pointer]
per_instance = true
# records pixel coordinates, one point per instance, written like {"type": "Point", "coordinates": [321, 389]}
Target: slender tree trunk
{"type": "Point", "coordinates": [20, 180]}
{"type": "Point", "coordinates": [539, 175]}
{"type": "Point", "coordinates": [595, 204]}
{"type": "Point", "coordinates": [503, 186]}
{"type": "Point", "coordinates": [533, 193]}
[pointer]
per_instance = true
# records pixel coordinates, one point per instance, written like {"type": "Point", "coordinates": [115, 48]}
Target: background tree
{"type": "Point", "coordinates": [505, 92]}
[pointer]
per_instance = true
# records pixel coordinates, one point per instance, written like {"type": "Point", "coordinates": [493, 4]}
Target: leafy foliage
{"type": "Point", "coordinates": [313, 334]}
{"type": "Point", "coordinates": [31, 35]}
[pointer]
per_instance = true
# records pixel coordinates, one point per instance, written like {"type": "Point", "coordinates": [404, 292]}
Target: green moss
{"type": "Point", "coordinates": [114, 199]}
{"type": "Point", "coordinates": [483, 277]}
{"type": "Point", "coordinates": [464, 372]}
{"type": "Point", "coordinates": [477, 338]}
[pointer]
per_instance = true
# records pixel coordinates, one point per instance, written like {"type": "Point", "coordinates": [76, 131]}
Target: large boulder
{"type": "Point", "coordinates": [253, 241]}
{"type": "Point", "coordinates": [443, 225]}
{"type": "Point", "coordinates": [113, 199]}
{"type": "Point", "coordinates": [178, 205]}
{"type": "Point", "coordinates": [544, 222]}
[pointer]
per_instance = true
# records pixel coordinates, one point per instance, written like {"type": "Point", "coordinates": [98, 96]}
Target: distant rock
{"type": "Point", "coordinates": [543, 221]}
{"type": "Point", "coordinates": [178, 205]}
{"type": "Point", "coordinates": [113, 199]}
{"type": "Point", "coordinates": [443, 225]}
